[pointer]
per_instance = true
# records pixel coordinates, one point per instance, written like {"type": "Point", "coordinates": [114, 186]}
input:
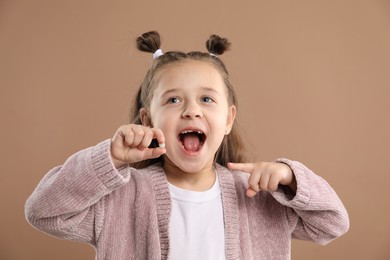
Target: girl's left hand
{"type": "Point", "coordinates": [266, 176]}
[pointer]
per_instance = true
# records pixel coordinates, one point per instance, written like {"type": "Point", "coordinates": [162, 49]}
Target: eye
{"type": "Point", "coordinates": [173, 100]}
{"type": "Point", "coordinates": [207, 99]}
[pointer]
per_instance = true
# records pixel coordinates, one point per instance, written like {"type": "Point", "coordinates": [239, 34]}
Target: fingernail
{"type": "Point", "coordinates": [250, 193]}
{"type": "Point", "coordinates": [162, 145]}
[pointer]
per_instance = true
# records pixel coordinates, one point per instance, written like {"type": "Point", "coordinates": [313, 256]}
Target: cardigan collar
{"type": "Point", "coordinates": [229, 202]}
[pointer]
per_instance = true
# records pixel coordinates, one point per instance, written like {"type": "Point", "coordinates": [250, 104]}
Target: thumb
{"type": "Point", "coordinates": [245, 167]}
{"type": "Point", "coordinates": [151, 153]}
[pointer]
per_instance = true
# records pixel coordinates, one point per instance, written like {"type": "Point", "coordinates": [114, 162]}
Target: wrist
{"type": "Point", "coordinates": [117, 163]}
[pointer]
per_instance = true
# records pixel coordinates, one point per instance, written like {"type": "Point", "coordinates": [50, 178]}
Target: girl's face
{"type": "Point", "coordinates": [190, 106]}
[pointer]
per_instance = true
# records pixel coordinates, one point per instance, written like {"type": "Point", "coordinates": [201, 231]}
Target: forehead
{"type": "Point", "coordinates": [190, 75]}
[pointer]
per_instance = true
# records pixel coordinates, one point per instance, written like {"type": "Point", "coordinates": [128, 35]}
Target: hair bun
{"type": "Point", "coordinates": [217, 45]}
{"type": "Point", "coordinates": [149, 42]}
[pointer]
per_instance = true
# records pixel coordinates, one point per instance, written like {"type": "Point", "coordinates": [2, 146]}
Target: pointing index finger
{"type": "Point", "coordinates": [245, 167]}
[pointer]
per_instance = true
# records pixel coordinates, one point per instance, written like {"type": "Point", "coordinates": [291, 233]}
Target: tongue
{"type": "Point", "coordinates": [191, 142]}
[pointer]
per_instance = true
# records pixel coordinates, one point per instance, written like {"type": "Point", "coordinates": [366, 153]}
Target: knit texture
{"type": "Point", "coordinates": [124, 213]}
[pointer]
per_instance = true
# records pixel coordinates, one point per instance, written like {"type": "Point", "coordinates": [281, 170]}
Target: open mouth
{"type": "Point", "coordinates": [192, 140]}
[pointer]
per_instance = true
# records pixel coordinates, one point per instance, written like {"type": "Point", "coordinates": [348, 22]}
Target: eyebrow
{"type": "Point", "coordinates": [178, 89]}
{"type": "Point", "coordinates": [210, 89]}
{"type": "Point", "coordinates": [169, 91]}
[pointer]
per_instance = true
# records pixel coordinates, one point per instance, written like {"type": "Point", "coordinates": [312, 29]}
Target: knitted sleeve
{"type": "Point", "coordinates": [69, 200]}
{"type": "Point", "coordinates": [315, 212]}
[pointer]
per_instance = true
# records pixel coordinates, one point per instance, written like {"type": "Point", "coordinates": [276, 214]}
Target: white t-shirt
{"type": "Point", "coordinates": [196, 225]}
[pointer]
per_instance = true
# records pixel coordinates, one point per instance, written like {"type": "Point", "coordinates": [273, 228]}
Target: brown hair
{"type": "Point", "coordinates": [232, 147]}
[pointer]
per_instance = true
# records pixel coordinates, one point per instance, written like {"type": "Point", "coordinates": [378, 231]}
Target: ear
{"type": "Point", "coordinates": [230, 118]}
{"type": "Point", "coordinates": [145, 118]}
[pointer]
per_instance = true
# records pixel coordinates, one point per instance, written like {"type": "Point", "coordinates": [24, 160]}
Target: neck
{"type": "Point", "coordinates": [195, 181]}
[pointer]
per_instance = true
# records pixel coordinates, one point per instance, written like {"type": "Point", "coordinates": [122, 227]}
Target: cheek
{"type": "Point", "coordinates": [219, 125]}
{"type": "Point", "coordinates": [161, 121]}
{"type": "Point", "coordinates": [221, 117]}
{"type": "Point", "coordinates": [155, 116]}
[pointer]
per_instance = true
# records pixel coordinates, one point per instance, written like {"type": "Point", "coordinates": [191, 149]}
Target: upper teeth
{"type": "Point", "coordinates": [191, 131]}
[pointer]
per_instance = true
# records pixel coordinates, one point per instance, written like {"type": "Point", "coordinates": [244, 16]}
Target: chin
{"type": "Point", "coordinates": [188, 165]}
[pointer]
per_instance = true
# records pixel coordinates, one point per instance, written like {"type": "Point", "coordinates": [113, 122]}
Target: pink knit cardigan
{"type": "Point", "coordinates": [124, 213]}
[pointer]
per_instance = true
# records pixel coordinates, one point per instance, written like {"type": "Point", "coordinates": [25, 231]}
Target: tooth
{"type": "Point", "coordinates": [187, 131]}
{"type": "Point", "coordinates": [191, 131]}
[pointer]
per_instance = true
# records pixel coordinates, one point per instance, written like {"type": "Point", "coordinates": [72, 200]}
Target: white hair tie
{"type": "Point", "coordinates": [212, 54]}
{"type": "Point", "coordinates": [157, 54]}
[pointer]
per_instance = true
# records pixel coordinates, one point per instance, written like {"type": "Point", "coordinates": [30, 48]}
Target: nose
{"type": "Point", "coordinates": [192, 110]}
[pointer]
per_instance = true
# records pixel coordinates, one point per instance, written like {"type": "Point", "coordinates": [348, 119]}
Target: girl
{"type": "Point", "coordinates": [165, 186]}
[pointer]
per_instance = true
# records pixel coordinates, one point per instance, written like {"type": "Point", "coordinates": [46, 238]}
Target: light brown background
{"type": "Point", "coordinates": [312, 79]}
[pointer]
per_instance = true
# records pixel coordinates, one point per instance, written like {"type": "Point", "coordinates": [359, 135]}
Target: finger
{"type": "Point", "coordinates": [147, 139]}
{"type": "Point", "coordinates": [119, 136]}
{"type": "Point", "coordinates": [154, 153]}
{"type": "Point", "coordinates": [264, 181]}
{"type": "Point", "coordinates": [128, 136]}
{"type": "Point", "coordinates": [159, 135]}
{"type": "Point", "coordinates": [273, 182]}
{"type": "Point", "coordinates": [254, 180]}
{"type": "Point", "coordinates": [138, 136]}
{"type": "Point", "coordinates": [250, 193]}
{"type": "Point", "coordinates": [157, 152]}
{"type": "Point", "coordinates": [245, 167]}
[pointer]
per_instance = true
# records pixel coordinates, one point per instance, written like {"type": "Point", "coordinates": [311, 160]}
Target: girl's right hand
{"type": "Point", "coordinates": [130, 144]}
